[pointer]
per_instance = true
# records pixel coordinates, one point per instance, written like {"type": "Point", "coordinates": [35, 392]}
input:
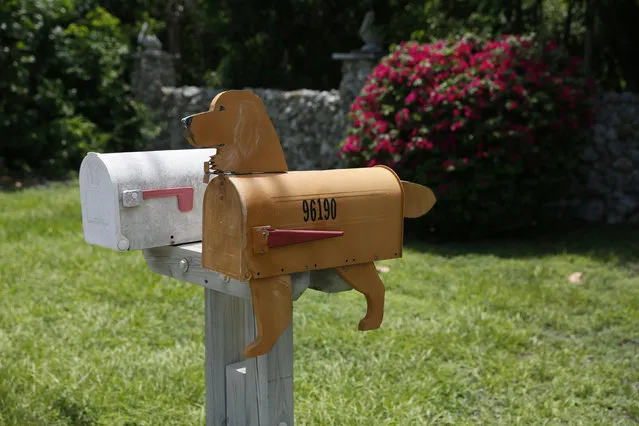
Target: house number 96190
{"type": "Point", "coordinates": [319, 209]}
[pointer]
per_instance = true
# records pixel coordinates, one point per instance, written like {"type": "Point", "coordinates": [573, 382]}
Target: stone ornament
{"type": "Point", "coordinates": [148, 41]}
{"type": "Point", "coordinates": [367, 32]}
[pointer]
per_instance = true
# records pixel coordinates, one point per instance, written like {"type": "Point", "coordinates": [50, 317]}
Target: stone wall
{"type": "Point", "coordinates": [608, 180]}
{"type": "Point", "coordinates": [310, 124]}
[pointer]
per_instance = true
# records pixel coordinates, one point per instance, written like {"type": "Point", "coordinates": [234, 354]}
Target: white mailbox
{"type": "Point", "coordinates": [140, 200]}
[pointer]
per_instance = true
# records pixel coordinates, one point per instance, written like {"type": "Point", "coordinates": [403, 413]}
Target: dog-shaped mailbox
{"type": "Point", "coordinates": [261, 222]}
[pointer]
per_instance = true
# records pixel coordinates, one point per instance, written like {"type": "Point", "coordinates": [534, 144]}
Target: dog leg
{"type": "Point", "coordinates": [273, 309]}
{"type": "Point", "coordinates": [365, 279]}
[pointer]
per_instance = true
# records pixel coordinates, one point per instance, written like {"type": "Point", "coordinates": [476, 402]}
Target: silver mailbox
{"type": "Point", "coordinates": [139, 200]}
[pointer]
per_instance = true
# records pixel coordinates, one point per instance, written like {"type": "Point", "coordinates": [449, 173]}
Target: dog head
{"type": "Point", "coordinates": [238, 126]}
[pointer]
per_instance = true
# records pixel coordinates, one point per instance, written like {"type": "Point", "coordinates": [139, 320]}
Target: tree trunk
{"type": "Point", "coordinates": [588, 37]}
{"type": "Point", "coordinates": [518, 25]}
{"type": "Point", "coordinates": [568, 21]}
{"type": "Point", "coordinates": [539, 11]}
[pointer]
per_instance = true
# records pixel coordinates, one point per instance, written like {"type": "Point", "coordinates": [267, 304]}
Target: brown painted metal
{"type": "Point", "coordinates": [287, 237]}
{"type": "Point", "coordinates": [273, 307]}
{"type": "Point", "coordinates": [253, 193]}
{"type": "Point", "coordinates": [365, 279]}
{"type": "Point", "coordinates": [418, 199]}
{"type": "Point", "coordinates": [366, 204]}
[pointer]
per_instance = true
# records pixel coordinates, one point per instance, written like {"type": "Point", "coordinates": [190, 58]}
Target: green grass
{"type": "Point", "coordinates": [476, 333]}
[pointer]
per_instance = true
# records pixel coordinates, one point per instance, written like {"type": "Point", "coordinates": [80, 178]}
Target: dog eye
{"type": "Point", "coordinates": [222, 108]}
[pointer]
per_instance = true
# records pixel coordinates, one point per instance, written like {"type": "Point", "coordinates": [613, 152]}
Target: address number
{"type": "Point", "coordinates": [319, 209]}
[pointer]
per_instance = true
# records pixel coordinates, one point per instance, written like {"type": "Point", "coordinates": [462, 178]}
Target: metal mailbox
{"type": "Point", "coordinates": [259, 226]}
{"type": "Point", "coordinates": [139, 200]}
{"type": "Point", "coordinates": [261, 223]}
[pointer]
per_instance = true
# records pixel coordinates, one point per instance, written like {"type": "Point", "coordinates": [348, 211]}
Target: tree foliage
{"type": "Point", "coordinates": [65, 64]}
{"type": "Point", "coordinates": [63, 89]}
{"type": "Point", "coordinates": [604, 33]}
{"type": "Point", "coordinates": [288, 43]}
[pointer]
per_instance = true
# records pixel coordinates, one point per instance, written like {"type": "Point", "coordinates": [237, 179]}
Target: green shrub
{"type": "Point", "coordinates": [494, 127]}
{"type": "Point", "coordinates": [63, 85]}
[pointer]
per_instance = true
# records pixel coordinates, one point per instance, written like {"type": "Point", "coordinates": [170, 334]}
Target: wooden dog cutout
{"type": "Point", "coordinates": [248, 148]}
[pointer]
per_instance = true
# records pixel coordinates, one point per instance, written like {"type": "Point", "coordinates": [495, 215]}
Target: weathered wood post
{"type": "Point", "coordinates": [239, 391]}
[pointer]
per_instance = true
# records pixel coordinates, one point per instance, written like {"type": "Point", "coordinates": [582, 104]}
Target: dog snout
{"type": "Point", "coordinates": [186, 122]}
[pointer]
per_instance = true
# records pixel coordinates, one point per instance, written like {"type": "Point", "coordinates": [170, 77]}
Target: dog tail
{"type": "Point", "coordinates": [418, 199]}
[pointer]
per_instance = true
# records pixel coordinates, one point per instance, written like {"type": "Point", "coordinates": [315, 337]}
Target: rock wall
{"type": "Point", "coordinates": [310, 124]}
{"type": "Point", "coordinates": [608, 179]}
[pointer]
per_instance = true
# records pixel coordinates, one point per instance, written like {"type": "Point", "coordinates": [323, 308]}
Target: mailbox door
{"type": "Point", "coordinates": [99, 201]}
{"type": "Point", "coordinates": [365, 204]}
{"type": "Point", "coordinates": [223, 233]}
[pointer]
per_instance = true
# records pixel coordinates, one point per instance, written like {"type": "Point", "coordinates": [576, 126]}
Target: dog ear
{"type": "Point", "coordinates": [249, 128]}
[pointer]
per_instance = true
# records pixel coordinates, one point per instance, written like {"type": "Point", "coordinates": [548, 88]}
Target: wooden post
{"type": "Point", "coordinates": [240, 392]}
{"type": "Point", "coordinates": [254, 391]}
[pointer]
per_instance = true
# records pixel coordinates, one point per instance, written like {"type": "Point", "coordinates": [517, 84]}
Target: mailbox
{"type": "Point", "coordinates": [263, 227]}
{"type": "Point", "coordinates": [262, 223]}
{"type": "Point", "coordinates": [139, 200]}
{"type": "Point", "coordinates": [260, 226]}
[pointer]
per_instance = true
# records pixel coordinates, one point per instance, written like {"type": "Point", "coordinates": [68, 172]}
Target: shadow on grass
{"type": "Point", "coordinates": [618, 243]}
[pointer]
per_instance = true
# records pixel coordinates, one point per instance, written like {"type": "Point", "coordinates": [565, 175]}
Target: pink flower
{"type": "Point", "coordinates": [457, 88]}
{"type": "Point", "coordinates": [351, 144]}
{"type": "Point", "coordinates": [442, 125]}
{"type": "Point", "coordinates": [384, 145]}
{"type": "Point", "coordinates": [412, 96]}
{"type": "Point", "coordinates": [427, 145]}
{"type": "Point", "coordinates": [519, 90]}
{"type": "Point", "coordinates": [381, 126]}
{"type": "Point", "coordinates": [552, 45]}
{"type": "Point", "coordinates": [401, 117]}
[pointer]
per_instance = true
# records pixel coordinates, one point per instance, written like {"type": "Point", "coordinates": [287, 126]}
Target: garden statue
{"type": "Point", "coordinates": [148, 42]}
{"type": "Point", "coordinates": [262, 223]}
{"type": "Point", "coordinates": [369, 34]}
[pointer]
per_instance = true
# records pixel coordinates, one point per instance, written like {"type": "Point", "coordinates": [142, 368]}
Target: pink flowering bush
{"type": "Point", "coordinates": [493, 127]}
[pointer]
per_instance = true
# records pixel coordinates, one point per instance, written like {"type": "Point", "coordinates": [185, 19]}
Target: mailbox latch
{"type": "Point", "coordinates": [133, 197]}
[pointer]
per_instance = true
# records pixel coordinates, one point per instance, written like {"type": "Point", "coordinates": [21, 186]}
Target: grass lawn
{"type": "Point", "coordinates": [481, 333]}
